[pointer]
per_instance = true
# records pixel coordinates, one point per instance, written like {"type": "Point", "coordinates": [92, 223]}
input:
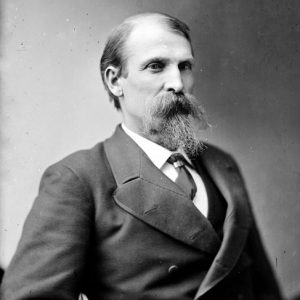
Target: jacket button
{"type": "Point", "coordinates": [173, 269]}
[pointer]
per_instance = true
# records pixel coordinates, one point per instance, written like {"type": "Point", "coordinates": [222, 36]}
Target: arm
{"type": "Point", "coordinates": [51, 254]}
{"type": "Point", "coordinates": [265, 283]}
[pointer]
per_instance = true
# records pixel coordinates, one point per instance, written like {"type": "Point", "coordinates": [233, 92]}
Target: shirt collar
{"type": "Point", "coordinates": [156, 153]}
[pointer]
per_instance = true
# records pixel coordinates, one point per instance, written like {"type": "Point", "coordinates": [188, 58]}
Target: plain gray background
{"type": "Point", "coordinates": [247, 77]}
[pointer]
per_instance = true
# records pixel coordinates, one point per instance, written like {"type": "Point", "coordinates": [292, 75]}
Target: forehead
{"type": "Point", "coordinates": [153, 38]}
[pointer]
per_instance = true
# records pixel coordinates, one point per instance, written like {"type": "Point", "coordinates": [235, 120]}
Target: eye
{"type": "Point", "coordinates": [155, 66]}
{"type": "Point", "coordinates": [186, 65]}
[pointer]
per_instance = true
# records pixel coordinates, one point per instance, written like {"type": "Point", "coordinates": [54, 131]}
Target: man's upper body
{"type": "Point", "coordinates": [112, 222]}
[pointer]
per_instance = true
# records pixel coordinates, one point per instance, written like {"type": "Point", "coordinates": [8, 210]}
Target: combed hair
{"type": "Point", "coordinates": [113, 53]}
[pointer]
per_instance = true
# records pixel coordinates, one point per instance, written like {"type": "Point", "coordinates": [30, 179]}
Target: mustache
{"type": "Point", "coordinates": [171, 104]}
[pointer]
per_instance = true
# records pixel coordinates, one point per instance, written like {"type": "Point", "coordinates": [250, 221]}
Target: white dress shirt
{"type": "Point", "coordinates": [159, 156]}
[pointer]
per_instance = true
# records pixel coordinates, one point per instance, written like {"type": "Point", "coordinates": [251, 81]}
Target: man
{"type": "Point", "coordinates": [150, 213]}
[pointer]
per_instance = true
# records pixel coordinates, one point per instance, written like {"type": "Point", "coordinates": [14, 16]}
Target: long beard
{"type": "Point", "coordinates": [175, 121]}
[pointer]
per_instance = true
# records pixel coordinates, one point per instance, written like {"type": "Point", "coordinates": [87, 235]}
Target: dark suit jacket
{"type": "Point", "coordinates": [109, 224]}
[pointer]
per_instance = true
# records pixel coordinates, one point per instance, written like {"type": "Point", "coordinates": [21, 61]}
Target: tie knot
{"type": "Point", "coordinates": [177, 160]}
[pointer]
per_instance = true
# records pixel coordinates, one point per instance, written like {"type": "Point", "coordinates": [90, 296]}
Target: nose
{"type": "Point", "coordinates": [174, 81]}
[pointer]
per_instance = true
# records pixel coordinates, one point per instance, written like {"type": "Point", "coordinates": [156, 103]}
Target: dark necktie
{"type": "Point", "coordinates": [184, 179]}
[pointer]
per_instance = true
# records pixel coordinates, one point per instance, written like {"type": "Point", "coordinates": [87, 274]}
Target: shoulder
{"type": "Point", "coordinates": [84, 160]}
{"type": "Point", "coordinates": [218, 156]}
{"type": "Point", "coordinates": [222, 165]}
{"type": "Point", "coordinates": [85, 167]}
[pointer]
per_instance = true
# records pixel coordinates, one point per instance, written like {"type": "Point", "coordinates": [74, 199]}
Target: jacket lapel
{"type": "Point", "coordinates": [226, 175]}
{"type": "Point", "coordinates": [146, 193]}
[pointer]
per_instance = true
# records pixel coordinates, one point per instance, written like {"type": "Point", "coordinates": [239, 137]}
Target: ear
{"type": "Point", "coordinates": [111, 77]}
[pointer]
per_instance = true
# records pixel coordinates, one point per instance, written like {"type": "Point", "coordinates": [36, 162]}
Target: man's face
{"type": "Point", "coordinates": [158, 61]}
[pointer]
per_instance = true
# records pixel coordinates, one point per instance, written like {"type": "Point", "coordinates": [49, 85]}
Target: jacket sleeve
{"type": "Point", "coordinates": [265, 283]}
{"type": "Point", "coordinates": [51, 255]}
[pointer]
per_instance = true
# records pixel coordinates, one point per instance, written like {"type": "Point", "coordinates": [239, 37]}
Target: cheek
{"type": "Point", "coordinates": [137, 87]}
{"type": "Point", "coordinates": [189, 84]}
{"type": "Point", "coordinates": [139, 91]}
